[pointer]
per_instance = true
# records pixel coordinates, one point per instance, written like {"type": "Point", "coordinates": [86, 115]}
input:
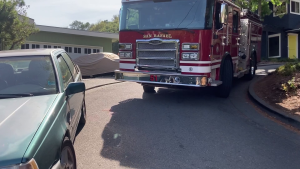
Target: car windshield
{"type": "Point", "coordinates": [22, 76]}
{"type": "Point", "coordinates": [175, 14]}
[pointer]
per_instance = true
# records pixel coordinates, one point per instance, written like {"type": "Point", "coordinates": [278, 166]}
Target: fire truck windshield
{"type": "Point", "coordinates": [175, 14]}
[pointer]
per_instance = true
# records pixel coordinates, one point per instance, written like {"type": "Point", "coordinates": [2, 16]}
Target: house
{"type": "Point", "coordinates": [75, 42]}
{"type": "Point", "coordinates": [281, 32]}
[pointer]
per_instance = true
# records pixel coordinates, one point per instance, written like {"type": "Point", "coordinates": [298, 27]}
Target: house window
{"type": "Point", "coordinates": [37, 46]}
{"type": "Point", "coordinates": [33, 46]}
{"type": "Point", "coordinates": [274, 45]}
{"type": "Point", "coordinates": [295, 6]}
{"type": "Point", "coordinates": [45, 46]}
{"type": "Point", "coordinates": [87, 51]}
{"type": "Point", "coordinates": [281, 10]}
{"type": "Point", "coordinates": [94, 51]}
{"type": "Point", "coordinates": [77, 50]}
{"type": "Point", "coordinates": [27, 46]}
{"type": "Point", "coordinates": [23, 46]}
{"type": "Point", "coordinates": [98, 51]}
{"type": "Point", "coordinates": [55, 47]}
{"type": "Point", "coordinates": [68, 49]}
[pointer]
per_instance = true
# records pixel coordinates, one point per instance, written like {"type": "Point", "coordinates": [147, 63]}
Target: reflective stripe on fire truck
{"type": "Point", "coordinates": [195, 69]}
{"type": "Point", "coordinates": [127, 66]}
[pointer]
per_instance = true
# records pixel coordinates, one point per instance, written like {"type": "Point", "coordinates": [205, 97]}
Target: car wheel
{"type": "Point", "coordinates": [226, 77]}
{"type": "Point", "coordinates": [83, 114]}
{"type": "Point", "coordinates": [149, 89]}
{"type": "Point", "coordinates": [67, 156]}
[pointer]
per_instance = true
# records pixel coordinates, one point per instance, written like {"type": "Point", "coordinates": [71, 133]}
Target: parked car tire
{"type": "Point", "coordinates": [252, 69]}
{"type": "Point", "coordinates": [83, 113]}
{"type": "Point", "coordinates": [148, 89]}
{"type": "Point", "coordinates": [226, 77]}
{"type": "Point", "coordinates": [67, 156]}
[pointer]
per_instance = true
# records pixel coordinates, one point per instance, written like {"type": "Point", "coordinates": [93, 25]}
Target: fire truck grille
{"type": "Point", "coordinates": [161, 56]}
{"type": "Point", "coordinates": [169, 63]}
{"type": "Point", "coordinates": [161, 46]}
{"type": "Point", "coordinates": [158, 54]}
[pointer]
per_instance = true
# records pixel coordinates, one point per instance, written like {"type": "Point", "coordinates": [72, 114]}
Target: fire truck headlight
{"type": "Point", "coordinates": [190, 46]}
{"type": "Point", "coordinates": [190, 56]}
{"type": "Point", "coordinates": [125, 54]}
{"type": "Point", "coordinates": [125, 46]}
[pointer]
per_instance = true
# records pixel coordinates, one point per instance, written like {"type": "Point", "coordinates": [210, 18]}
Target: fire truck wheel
{"type": "Point", "coordinates": [149, 89]}
{"type": "Point", "coordinates": [252, 69]}
{"type": "Point", "coordinates": [226, 77]}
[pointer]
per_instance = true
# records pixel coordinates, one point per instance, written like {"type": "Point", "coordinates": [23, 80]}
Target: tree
{"type": "Point", "coordinates": [15, 26]}
{"type": "Point", "coordinates": [262, 6]}
{"type": "Point", "coordinates": [80, 25]}
{"type": "Point", "coordinates": [107, 26]}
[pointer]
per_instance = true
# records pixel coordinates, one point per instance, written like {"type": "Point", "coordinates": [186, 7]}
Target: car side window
{"type": "Point", "coordinates": [70, 64]}
{"type": "Point", "coordinates": [65, 71]}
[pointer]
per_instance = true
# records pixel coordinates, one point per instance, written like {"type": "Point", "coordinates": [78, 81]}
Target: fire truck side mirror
{"type": "Point", "coordinates": [224, 13]}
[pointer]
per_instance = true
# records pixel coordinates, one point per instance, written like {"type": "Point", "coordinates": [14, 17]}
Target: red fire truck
{"type": "Point", "coordinates": [189, 43]}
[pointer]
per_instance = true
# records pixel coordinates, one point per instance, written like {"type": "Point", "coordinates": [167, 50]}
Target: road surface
{"type": "Point", "coordinates": [181, 129]}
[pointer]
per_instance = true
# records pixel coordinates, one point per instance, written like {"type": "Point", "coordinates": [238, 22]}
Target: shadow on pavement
{"type": "Point", "coordinates": [141, 134]}
{"type": "Point", "coordinates": [79, 128]}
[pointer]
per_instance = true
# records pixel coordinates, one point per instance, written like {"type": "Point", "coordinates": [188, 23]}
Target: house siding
{"type": "Point", "coordinates": [50, 37]}
{"type": "Point", "coordinates": [275, 25]}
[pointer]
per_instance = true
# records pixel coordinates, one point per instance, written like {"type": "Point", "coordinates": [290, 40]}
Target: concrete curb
{"type": "Point", "coordinates": [271, 64]}
{"type": "Point", "coordinates": [101, 85]}
{"type": "Point", "coordinates": [269, 107]}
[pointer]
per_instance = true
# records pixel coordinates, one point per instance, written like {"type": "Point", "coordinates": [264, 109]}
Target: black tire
{"type": "Point", "coordinates": [226, 76]}
{"type": "Point", "coordinates": [83, 113]}
{"type": "Point", "coordinates": [251, 73]}
{"type": "Point", "coordinates": [149, 89]}
{"type": "Point", "coordinates": [67, 155]}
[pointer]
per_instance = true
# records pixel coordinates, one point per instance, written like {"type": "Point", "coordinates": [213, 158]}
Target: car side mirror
{"type": "Point", "coordinates": [75, 87]}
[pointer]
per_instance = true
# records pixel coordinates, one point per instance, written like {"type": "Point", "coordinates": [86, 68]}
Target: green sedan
{"type": "Point", "coordinates": [41, 105]}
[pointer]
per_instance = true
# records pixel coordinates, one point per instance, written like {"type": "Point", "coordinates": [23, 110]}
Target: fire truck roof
{"type": "Point", "coordinates": [227, 1]}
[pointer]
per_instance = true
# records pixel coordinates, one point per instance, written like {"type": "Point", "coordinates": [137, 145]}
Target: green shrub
{"type": "Point", "coordinates": [281, 60]}
{"type": "Point", "coordinates": [288, 69]}
{"type": "Point", "coordinates": [290, 86]}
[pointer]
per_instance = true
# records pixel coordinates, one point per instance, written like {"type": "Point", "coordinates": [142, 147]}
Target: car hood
{"type": "Point", "coordinates": [19, 120]}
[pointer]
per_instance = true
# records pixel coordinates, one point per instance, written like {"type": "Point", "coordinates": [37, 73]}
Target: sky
{"type": "Point", "coordinates": [61, 13]}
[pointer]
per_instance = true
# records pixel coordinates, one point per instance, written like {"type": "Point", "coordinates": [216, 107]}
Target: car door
{"type": "Point", "coordinates": [66, 78]}
{"type": "Point", "coordinates": [77, 99]}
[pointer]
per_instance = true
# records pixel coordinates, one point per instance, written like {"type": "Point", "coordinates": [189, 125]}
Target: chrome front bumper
{"type": "Point", "coordinates": [165, 79]}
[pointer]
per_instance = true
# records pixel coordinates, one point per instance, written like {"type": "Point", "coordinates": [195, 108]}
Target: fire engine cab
{"type": "Point", "coordinates": [189, 43]}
